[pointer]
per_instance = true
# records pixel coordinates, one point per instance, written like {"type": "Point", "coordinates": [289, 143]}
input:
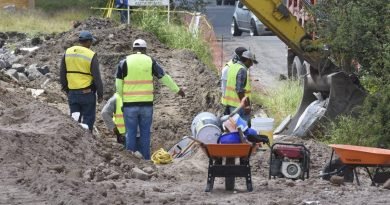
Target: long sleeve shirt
{"type": "Point", "coordinates": [157, 71]}
{"type": "Point", "coordinates": [108, 112]}
{"type": "Point", "coordinates": [224, 79]}
{"type": "Point", "coordinates": [241, 78]}
{"type": "Point", "coordinates": [97, 83]}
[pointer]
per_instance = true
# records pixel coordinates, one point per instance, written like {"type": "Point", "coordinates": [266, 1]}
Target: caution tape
{"type": "Point", "coordinates": [161, 157]}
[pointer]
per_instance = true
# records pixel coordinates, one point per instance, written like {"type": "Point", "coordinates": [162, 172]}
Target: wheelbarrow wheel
{"type": "Point", "coordinates": [229, 181]}
{"type": "Point", "coordinates": [336, 165]}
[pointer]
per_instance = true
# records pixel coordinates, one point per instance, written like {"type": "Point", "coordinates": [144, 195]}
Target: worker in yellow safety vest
{"type": "Point", "coordinates": [80, 79]}
{"type": "Point", "coordinates": [238, 85]}
{"type": "Point", "coordinates": [134, 83]}
{"type": "Point", "coordinates": [112, 116]}
{"type": "Point", "coordinates": [236, 57]}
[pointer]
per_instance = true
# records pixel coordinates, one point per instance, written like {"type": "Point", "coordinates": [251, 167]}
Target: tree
{"type": "Point", "coordinates": [359, 31]}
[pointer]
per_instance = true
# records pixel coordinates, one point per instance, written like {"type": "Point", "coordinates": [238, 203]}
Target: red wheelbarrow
{"type": "Point", "coordinates": [351, 157]}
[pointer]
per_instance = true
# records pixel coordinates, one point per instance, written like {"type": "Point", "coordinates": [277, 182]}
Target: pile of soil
{"type": "Point", "coordinates": [172, 114]}
{"type": "Point", "coordinates": [47, 158]}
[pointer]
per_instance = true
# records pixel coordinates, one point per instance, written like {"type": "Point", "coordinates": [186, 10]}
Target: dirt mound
{"type": "Point", "coordinates": [173, 115]}
{"type": "Point", "coordinates": [47, 158]}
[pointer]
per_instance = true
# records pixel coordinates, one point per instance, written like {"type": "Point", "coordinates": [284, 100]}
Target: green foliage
{"type": "Point", "coordinates": [371, 127]}
{"type": "Point", "coordinates": [172, 34]}
{"type": "Point", "coordinates": [281, 101]}
{"type": "Point", "coordinates": [359, 30]}
{"type": "Point", "coordinates": [53, 6]}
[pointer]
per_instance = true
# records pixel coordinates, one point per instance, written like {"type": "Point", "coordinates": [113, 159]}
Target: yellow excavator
{"type": "Point", "coordinates": [323, 76]}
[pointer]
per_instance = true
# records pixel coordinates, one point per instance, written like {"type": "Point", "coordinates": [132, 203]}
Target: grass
{"type": "Point", "coordinates": [56, 5]}
{"type": "Point", "coordinates": [33, 22]}
{"type": "Point", "coordinates": [175, 35]}
{"type": "Point", "coordinates": [282, 101]}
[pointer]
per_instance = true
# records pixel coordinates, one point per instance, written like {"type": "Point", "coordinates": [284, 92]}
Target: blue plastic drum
{"type": "Point", "coordinates": [230, 138]}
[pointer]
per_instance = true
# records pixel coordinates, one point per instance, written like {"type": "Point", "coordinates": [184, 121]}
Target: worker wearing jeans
{"type": "Point", "coordinates": [122, 4]}
{"type": "Point", "coordinates": [80, 79]}
{"type": "Point", "coordinates": [134, 84]}
{"type": "Point", "coordinates": [142, 117]}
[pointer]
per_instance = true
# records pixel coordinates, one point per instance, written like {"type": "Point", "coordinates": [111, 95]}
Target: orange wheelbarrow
{"type": "Point", "coordinates": [351, 157]}
{"type": "Point", "coordinates": [229, 170]}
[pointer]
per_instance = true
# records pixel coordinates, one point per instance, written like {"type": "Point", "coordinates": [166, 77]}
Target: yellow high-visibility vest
{"type": "Point", "coordinates": [231, 96]}
{"type": "Point", "coordinates": [78, 67]}
{"type": "Point", "coordinates": [138, 84]}
{"type": "Point", "coordinates": [118, 115]}
{"type": "Point", "coordinates": [248, 87]}
{"type": "Point", "coordinates": [230, 63]}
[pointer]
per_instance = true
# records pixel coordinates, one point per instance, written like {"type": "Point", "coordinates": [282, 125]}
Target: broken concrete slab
{"type": "Point", "coordinates": [44, 70]}
{"type": "Point", "coordinates": [139, 174]}
{"type": "Point", "coordinates": [13, 74]}
{"type": "Point", "coordinates": [22, 77]}
{"type": "Point", "coordinates": [18, 67]}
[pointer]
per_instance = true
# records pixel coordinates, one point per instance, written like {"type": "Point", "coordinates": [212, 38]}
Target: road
{"type": "Point", "coordinates": [269, 50]}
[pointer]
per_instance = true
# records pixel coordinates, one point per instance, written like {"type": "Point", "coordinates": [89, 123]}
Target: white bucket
{"type": "Point", "coordinates": [205, 127]}
{"type": "Point", "coordinates": [263, 126]}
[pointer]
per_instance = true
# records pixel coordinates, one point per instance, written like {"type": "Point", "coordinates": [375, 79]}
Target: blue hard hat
{"type": "Point", "coordinates": [86, 35]}
{"type": "Point", "coordinates": [230, 138]}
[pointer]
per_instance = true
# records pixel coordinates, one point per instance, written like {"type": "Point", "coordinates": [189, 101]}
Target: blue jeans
{"type": "Point", "coordinates": [123, 13]}
{"type": "Point", "coordinates": [142, 117]}
{"type": "Point", "coordinates": [241, 113]}
{"type": "Point", "coordinates": [85, 104]}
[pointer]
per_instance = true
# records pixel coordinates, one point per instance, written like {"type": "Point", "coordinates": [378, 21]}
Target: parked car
{"type": "Point", "coordinates": [225, 2]}
{"type": "Point", "coordinates": [245, 21]}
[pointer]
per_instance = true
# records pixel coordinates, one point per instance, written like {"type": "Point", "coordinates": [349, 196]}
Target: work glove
{"type": "Point", "coordinates": [116, 131]}
{"type": "Point", "coordinates": [100, 99]}
{"type": "Point", "coordinates": [181, 93]}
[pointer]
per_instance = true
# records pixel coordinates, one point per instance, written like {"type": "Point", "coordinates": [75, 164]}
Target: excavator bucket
{"type": "Point", "coordinates": [336, 91]}
{"type": "Point", "coordinates": [339, 92]}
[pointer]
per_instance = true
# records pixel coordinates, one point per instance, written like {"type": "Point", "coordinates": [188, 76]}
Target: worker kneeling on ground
{"type": "Point", "coordinates": [134, 83]}
{"type": "Point", "coordinates": [113, 117]}
{"type": "Point", "coordinates": [238, 85]}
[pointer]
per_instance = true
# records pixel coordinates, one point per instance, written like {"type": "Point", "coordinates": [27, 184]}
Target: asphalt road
{"type": "Point", "coordinates": [269, 50]}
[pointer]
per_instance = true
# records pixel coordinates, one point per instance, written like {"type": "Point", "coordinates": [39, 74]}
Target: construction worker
{"type": "Point", "coordinates": [236, 57]}
{"type": "Point", "coordinates": [238, 85]}
{"type": "Point", "coordinates": [122, 4]}
{"type": "Point", "coordinates": [134, 83]}
{"type": "Point", "coordinates": [80, 79]}
{"type": "Point", "coordinates": [113, 117]}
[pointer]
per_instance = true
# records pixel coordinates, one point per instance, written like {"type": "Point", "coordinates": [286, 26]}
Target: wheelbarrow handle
{"type": "Point", "coordinates": [235, 111]}
{"type": "Point", "coordinates": [195, 140]}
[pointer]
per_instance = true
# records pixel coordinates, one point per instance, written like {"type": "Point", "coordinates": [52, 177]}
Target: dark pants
{"type": "Point", "coordinates": [85, 103]}
{"type": "Point", "coordinates": [123, 13]}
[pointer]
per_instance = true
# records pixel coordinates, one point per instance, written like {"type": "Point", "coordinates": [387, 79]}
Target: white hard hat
{"type": "Point", "coordinates": [249, 55]}
{"type": "Point", "coordinates": [139, 43]}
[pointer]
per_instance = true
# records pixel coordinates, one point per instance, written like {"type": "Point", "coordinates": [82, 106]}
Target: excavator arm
{"type": "Point", "coordinates": [323, 77]}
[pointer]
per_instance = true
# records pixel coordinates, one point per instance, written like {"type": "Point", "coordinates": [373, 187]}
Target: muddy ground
{"type": "Point", "coordinates": [47, 158]}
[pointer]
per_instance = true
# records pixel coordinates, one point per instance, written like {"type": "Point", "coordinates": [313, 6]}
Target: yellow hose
{"type": "Point", "coordinates": [161, 157]}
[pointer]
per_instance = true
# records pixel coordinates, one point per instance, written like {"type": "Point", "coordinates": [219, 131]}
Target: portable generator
{"type": "Point", "coordinates": [289, 161]}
